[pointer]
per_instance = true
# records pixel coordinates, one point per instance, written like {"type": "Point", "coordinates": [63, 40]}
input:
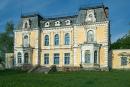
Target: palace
{"type": "Point", "coordinates": [67, 41]}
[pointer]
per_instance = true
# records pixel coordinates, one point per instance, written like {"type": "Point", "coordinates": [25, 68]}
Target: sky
{"type": "Point", "coordinates": [119, 11]}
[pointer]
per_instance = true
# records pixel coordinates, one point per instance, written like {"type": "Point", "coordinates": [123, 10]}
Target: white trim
{"type": "Point", "coordinates": [88, 18]}
{"type": "Point", "coordinates": [24, 22]}
{"type": "Point", "coordinates": [47, 24]}
{"type": "Point", "coordinates": [67, 22]}
{"type": "Point", "coordinates": [57, 23]}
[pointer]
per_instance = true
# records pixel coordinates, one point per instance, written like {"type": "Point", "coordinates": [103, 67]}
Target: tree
{"type": "Point", "coordinates": [122, 43]}
{"type": "Point", "coordinates": [6, 40]}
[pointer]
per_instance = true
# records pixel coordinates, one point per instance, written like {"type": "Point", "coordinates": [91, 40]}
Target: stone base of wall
{"type": "Point", "coordinates": [121, 69]}
{"type": "Point", "coordinates": [68, 68]}
{"type": "Point", "coordinates": [105, 68]}
{"type": "Point", "coordinates": [38, 68]}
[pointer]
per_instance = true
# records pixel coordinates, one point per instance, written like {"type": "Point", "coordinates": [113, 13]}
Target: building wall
{"type": "Point", "coordinates": [9, 60]}
{"type": "Point", "coordinates": [77, 37]}
{"type": "Point", "coordinates": [87, 19]}
{"type": "Point", "coordinates": [116, 58]}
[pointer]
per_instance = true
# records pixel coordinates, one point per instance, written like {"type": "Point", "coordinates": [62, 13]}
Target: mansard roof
{"type": "Point", "coordinates": [32, 14]}
{"type": "Point", "coordinates": [61, 17]}
{"type": "Point", "coordinates": [84, 7]}
{"type": "Point", "coordinates": [38, 21]}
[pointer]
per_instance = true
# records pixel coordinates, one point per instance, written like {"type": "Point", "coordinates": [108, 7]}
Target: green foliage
{"type": "Point", "coordinates": [11, 78]}
{"type": "Point", "coordinates": [122, 43]}
{"type": "Point", "coordinates": [7, 40]}
{"type": "Point", "coordinates": [53, 68]}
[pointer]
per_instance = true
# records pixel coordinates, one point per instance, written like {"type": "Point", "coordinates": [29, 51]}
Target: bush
{"type": "Point", "coordinates": [53, 68]}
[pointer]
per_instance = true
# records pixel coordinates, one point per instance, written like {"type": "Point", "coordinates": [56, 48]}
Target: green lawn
{"type": "Point", "coordinates": [10, 78]}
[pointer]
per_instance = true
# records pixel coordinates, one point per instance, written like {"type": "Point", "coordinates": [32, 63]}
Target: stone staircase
{"type": "Point", "coordinates": [39, 69]}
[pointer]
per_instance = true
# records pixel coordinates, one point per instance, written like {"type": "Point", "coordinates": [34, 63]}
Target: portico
{"type": "Point", "coordinates": [90, 54]}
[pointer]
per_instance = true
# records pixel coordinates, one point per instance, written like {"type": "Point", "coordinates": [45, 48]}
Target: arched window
{"type": "Point", "coordinates": [26, 43]}
{"type": "Point", "coordinates": [87, 56]}
{"type": "Point", "coordinates": [56, 39]}
{"type": "Point", "coordinates": [67, 39]}
{"type": "Point", "coordinates": [19, 57]}
{"type": "Point", "coordinates": [46, 40]}
{"type": "Point", "coordinates": [90, 36]}
{"type": "Point", "coordinates": [26, 25]}
{"type": "Point", "coordinates": [26, 58]}
{"type": "Point", "coordinates": [95, 57]}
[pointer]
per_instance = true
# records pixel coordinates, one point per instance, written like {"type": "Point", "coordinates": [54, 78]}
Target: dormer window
{"type": "Point", "coordinates": [26, 24]}
{"type": "Point", "coordinates": [67, 22]}
{"type": "Point", "coordinates": [47, 24]}
{"type": "Point", "coordinates": [90, 17]}
{"type": "Point", "coordinates": [57, 23]}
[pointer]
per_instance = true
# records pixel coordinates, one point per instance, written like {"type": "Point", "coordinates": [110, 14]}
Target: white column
{"type": "Point", "coordinates": [37, 46]}
{"type": "Point", "coordinates": [22, 57]}
{"type": "Point", "coordinates": [75, 53]}
{"type": "Point", "coordinates": [106, 56]}
{"type": "Point", "coordinates": [92, 56]}
{"type": "Point", "coordinates": [16, 59]}
{"type": "Point", "coordinates": [29, 58]}
{"type": "Point", "coordinates": [98, 56]}
{"type": "Point", "coordinates": [83, 57]}
{"type": "Point", "coordinates": [75, 46]}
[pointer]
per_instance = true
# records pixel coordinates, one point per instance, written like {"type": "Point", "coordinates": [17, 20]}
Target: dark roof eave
{"type": "Point", "coordinates": [31, 15]}
{"type": "Point", "coordinates": [91, 7]}
{"type": "Point", "coordinates": [64, 17]}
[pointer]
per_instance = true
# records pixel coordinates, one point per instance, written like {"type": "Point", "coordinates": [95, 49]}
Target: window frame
{"type": "Point", "coordinates": [46, 58]}
{"type": "Point", "coordinates": [47, 24]}
{"type": "Point", "coordinates": [124, 61]}
{"type": "Point", "coordinates": [66, 58]}
{"type": "Point", "coordinates": [56, 58]}
{"type": "Point", "coordinates": [19, 57]}
{"type": "Point", "coordinates": [90, 37]}
{"type": "Point", "coordinates": [67, 39]}
{"type": "Point", "coordinates": [27, 56]}
{"type": "Point", "coordinates": [46, 40]}
{"type": "Point", "coordinates": [56, 39]}
{"type": "Point", "coordinates": [68, 22]}
{"type": "Point", "coordinates": [95, 57]}
{"type": "Point", "coordinates": [57, 23]}
{"type": "Point", "coordinates": [26, 41]}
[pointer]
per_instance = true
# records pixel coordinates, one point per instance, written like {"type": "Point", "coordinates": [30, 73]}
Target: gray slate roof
{"type": "Point", "coordinates": [37, 21]}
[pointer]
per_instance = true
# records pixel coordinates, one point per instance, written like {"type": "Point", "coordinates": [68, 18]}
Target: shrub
{"type": "Point", "coordinates": [53, 68]}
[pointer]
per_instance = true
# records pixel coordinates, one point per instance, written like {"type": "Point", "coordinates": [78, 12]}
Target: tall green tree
{"type": "Point", "coordinates": [122, 43]}
{"type": "Point", "coordinates": [6, 40]}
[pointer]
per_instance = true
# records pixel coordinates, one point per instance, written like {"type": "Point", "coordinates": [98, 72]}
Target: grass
{"type": "Point", "coordinates": [11, 78]}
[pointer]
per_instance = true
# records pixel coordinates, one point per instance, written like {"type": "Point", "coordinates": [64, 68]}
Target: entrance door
{"type": "Point", "coordinates": [26, 58]}
{"type": "Point", "coordinates": [87, 56]}
{"type": "Point", "coordinates": [95, 57]}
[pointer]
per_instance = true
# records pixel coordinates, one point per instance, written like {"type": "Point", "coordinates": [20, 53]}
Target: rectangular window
{"type": "Point", "coordinates": [56, 58]}
{"type": "Point", "coordinates": [67, 58]}
{"type": "Point", "coordinates": [123, 61]}
{"type": "Point", "coordinates": [46, 58]}
{"type": "Point", "coordinates": [19, 60]}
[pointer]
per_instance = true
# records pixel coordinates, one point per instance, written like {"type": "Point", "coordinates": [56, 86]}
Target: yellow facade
{"type": "Point", "coordinates": [9, 60]}
{"type": "Point", "coordinates": [87, 44]}
{"type": "Point", "coordinates": [117, 62]}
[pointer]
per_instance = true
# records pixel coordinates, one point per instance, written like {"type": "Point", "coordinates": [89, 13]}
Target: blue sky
{"type": "Point", "coordinates": [119, 11]}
